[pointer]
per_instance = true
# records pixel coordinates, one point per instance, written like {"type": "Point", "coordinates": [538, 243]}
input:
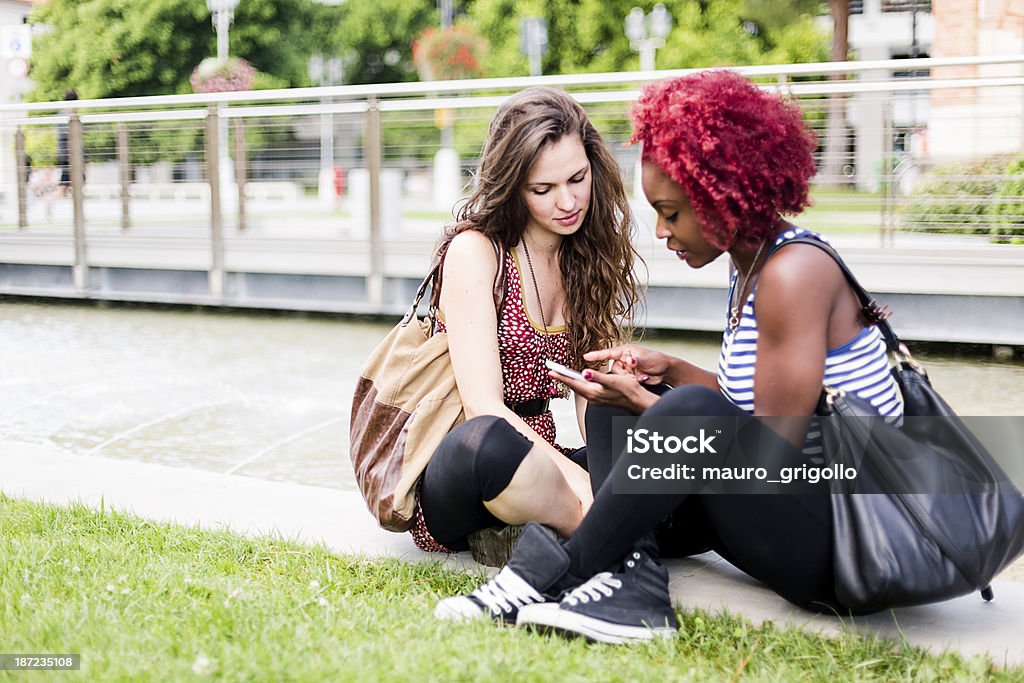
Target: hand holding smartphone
{"type": "Point", "coordinates": [564, 371]}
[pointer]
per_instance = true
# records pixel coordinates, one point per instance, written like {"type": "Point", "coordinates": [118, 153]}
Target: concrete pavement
{"type": "Point", "coordinates": [339, 519]}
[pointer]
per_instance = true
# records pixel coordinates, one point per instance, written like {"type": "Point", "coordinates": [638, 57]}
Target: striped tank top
{"type": "Point", "coordinates": [859, 366]}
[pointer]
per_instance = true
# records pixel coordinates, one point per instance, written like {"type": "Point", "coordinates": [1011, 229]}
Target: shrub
{"type": "Point", "coordinates": [1009, 209]}
{"type": "Point", "coordinates": [977, 197]}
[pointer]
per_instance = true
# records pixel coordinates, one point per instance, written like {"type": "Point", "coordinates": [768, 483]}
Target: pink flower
{"type": "Point", "coordinates": [229, 76]}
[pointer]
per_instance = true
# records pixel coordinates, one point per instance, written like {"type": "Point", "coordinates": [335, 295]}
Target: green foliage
{"type": "Point", "coordinates": [588, 35]}
{"type": "Point", "coordinates": [121, 48]}
{"type": "Point", "coordinates": [978, 197]}
{"type": "Point", "coordinates": [797, 43]}
{"type": "Point", "coordinates": [1009, 209]}
{"type": "Point", "coordinates": [41, 146]}
{"type": "Point", "coordinates": [773, 15]}
{"type": "Point", "coordinates": [376, 36]}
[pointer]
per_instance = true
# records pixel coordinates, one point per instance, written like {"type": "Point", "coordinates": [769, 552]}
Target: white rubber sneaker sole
{"type": "Point", "coordinates": [549, 617]}
{"type": "Point", "coordinates": [460, 609]}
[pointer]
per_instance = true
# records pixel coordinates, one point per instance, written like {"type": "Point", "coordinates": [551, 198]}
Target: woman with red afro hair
{"type": "Point", "coordinates": [723, 162]}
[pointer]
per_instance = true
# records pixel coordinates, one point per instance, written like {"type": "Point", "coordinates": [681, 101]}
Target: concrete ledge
{"type": "Point", "coordinates": [339, 519]}
{"type": "Point", "coordinates": [971, 319]}
{"type": "Point", "coordinates": [940, 288]}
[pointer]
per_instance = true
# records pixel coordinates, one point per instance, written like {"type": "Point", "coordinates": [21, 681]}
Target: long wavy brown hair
{"type": "Point", "coordinates": [601, 291]}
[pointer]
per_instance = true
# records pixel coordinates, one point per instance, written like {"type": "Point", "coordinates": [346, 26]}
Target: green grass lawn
{"type": "Point", "coordinates": [147, 601]}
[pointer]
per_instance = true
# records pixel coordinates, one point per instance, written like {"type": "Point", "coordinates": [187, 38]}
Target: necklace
{"type": "Point", "coordinates": [541, 347]}
{"type": "Point", "coordinates": [737, 293]}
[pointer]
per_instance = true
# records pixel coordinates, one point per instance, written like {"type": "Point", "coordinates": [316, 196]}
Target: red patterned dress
{"type": "Point", "coordinates": [522, 347]}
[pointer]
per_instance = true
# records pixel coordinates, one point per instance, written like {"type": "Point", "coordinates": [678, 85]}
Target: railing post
{"type": "Point", "coordinates": [240, 170]}
{"type": "Point", "coordinates": [77, 159]}
{"type": "Point", "coordinates": [21, 170]}
{"type": "Point", "coordinates": [216, 272]}
{"type": "Point", "coordinates": [125, 172]}
{"type": "Point", "coordinates": [372, 153]}
{"type": "Point", "coordinates": [887, 179]}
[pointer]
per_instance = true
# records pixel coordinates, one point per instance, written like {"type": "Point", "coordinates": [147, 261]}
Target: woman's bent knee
{"type": "Point", "coordinates": [497, 450]}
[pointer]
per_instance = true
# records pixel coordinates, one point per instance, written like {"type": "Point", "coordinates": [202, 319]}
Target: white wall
{"type": "Point", "coordinates": [993, 123]}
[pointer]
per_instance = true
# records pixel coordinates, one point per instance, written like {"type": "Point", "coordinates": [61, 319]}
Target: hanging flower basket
{"type": "Point", "coordinates": [231, 75]}
{"type": "Point", "coordinates": [449, 54]}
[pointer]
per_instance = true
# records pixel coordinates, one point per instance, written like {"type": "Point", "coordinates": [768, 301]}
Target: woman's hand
{"type": "Point", "coordinates": [610, 389]}
{"type": "Point", "coordinates": [645, 365]}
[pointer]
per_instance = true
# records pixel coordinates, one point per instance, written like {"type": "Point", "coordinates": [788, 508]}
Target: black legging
{"type": "Point", "coordinates": [474, 462]}
{"type": "Point", "coordinates": [783, 540]}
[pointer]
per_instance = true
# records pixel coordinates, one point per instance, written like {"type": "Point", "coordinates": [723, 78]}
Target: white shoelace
{"type": "Point", "coordinates": [601, 585]}
{"type": "Point", "coordinates": [506, 591]}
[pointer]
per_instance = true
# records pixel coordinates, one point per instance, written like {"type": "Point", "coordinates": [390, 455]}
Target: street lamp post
{"type": "Point", "coordinates": [223, 12]}
{"type": "Point", "coordinates": [447, 11]}
{"type": "Point", "coordinates": [447, 8]}
{"type": "Point", "coordinates": [533, 34]}
{"type": "Point", "coordinates": [326, 72]}
{"type": "Point", "coordinates": [447, 170]}
{"type": "Point", "coordinates": [647, 32]}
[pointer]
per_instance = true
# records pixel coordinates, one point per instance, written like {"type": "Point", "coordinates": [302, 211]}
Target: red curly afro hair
{"type": "Point", "coordinates": [743, 156]}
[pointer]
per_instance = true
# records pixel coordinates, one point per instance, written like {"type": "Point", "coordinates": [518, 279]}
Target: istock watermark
{"type": "Point", "coordinates": [745, 455]}
{"type": "Point", "coordinates": [647, 441]}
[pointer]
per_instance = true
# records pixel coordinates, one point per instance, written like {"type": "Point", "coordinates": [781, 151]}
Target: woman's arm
{"type": "Point", "coordinates": [581, 414]}
{"type": "Point", "coordinates": [799, 290]}
{"type": "Point", "coordinates": [471, 320]}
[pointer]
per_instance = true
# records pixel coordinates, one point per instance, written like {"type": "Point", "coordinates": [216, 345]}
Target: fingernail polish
{"type": "Point", "coordinates": [588, 375]}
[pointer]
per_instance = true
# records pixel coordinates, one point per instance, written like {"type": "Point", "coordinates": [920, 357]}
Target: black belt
{"type": "Point", "coordinates": [531, 408]}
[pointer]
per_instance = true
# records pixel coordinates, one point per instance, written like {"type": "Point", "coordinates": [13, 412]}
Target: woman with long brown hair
{"type": "Point", "coordinates": [548, 215]}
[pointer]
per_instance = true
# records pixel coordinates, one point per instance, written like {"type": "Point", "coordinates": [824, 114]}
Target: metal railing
{"type": "Point", "coordinates": [910, 150]}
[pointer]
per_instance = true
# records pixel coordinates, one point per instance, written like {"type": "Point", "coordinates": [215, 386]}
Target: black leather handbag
{"type": "Point", "coordinates": [932, 515]}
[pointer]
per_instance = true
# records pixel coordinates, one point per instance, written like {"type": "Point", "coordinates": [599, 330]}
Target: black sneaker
{"type": "Point", "coordinates": [493, 546]}
{"type": "Point", "coordinates": [538, 562]}
{"type": "Point", "coordinates": [628, 606]}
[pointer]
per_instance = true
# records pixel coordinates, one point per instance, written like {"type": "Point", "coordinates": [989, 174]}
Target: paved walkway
{"type": "Point", "coordinates": [340, 520]}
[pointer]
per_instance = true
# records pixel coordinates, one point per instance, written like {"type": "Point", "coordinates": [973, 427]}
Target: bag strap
{"type": "Point", "coordinates": [435, 276]}
{"type": "Point", "coordinates": [869, 306]}
{"type": "Point", "coordinates": [421, 290]}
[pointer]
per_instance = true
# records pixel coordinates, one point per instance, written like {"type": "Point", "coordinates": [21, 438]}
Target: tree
{"type": "Point", "coordinates": [121, 48]}
{"type": "Point", "coordinates": [588, 35]}
{"type": "Point", "coordinates": [376, 37]}
{"type": "Point", "coordinates": [835, 135]}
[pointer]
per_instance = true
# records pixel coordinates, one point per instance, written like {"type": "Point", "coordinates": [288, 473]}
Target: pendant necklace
{"type": "Point", "coordinates": [736, 303]}
{"type": "Point", "coordinates": [544, 352]}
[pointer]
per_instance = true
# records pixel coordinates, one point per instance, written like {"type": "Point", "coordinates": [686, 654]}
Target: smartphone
{"type": "Point", "coordinates": [564, 371]}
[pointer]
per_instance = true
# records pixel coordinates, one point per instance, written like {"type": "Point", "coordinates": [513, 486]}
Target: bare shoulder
{"type": "Point", "coordinates": [471, 252]}
{"type": "Point", "coordinates": [470, 243]}
{"type": "Point", "coordinates": [800, 269]}
{"type": "Point", "coordinates": [799, 277]}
